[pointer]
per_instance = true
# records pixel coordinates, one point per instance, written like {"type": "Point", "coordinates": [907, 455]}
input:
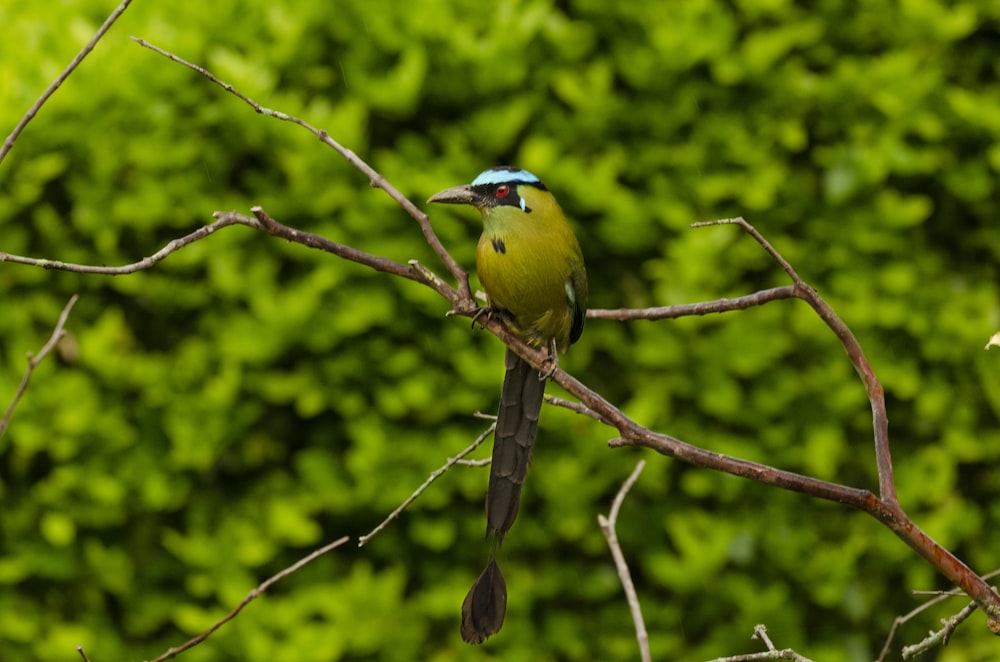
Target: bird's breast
{"type": "Point", "coordinates": [525, 275]}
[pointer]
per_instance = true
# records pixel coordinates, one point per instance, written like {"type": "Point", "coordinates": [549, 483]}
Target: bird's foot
{"type": "Point", "coordinates": [480, 311]}
{"type": "Point", "coordinates": [491, 312]}
{"type": "Point", "coordinates": [550, 364]}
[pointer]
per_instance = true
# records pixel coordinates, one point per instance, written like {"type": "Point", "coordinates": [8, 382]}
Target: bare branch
{"type": "Point", "coordinates": [772, 653]}
{"type": "Point", "coordinates": [413, 271]}
{"type": "Point", "coordinates": [690, 309]}
{"type": "Point", "coordinates": [876, 396]}
{"type": "Point", "coordinates": [452, 461]}
{"type": "Point", "coordinates": [8, 144]}
{"type": "Point", "coordinates": [254, 594]}
{"type": "Point", "coordinates": [33, 360]}
{"type": "Point", "coordinates": [485, 462]}
{"type": "Point", "coordinates": [145, 263]}
{"type": "Point", "coordinates": [624, 576]}
{"type": "Point", "coordinates": [940, 597]}
{"type": "Point", "coordinates": [573, 406]}
{"type": "Point", "coordinates": [885, 509]}
{"type": "Point", "coordinates": [374, 178]}
{"type": "Point", "coordinates": [83, 654]}
{"type": "Point", "coordinates": [941, 637]}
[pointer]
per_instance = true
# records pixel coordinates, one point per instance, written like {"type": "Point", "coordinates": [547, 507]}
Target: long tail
{"type": "Point", "coordinates": [517, 424]}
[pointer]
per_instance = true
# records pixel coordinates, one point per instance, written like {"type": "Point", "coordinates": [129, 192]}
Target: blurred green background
{"type": "Point", "coordinates": [214, 419]}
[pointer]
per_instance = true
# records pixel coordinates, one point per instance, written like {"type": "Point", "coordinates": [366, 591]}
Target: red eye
{"type": "Point", "coordinates": [502, 190]}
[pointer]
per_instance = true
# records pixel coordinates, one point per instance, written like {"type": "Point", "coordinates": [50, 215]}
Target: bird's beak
{"type": "Point", "coordinates": [456, 195]}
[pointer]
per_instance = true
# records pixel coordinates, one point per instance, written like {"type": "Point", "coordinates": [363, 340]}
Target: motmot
{"type": "Point", "coordinates": [530, 265]}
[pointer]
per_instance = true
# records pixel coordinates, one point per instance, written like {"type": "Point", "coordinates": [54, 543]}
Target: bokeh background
{"type": "Point", "coordinates": [211, 420]}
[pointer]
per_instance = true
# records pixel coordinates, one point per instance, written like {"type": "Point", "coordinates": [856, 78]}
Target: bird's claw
{"type": "Point", "coordinates": [489, 311]}
{"type": "Point", "coordinates": [550, 364]}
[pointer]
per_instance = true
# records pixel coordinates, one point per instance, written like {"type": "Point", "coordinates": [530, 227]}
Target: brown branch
{"type": "Point", "coordinates": [142, 264]}
{"type": "Point", "coordinates": [690, 309]}
{"type": "Point", "coordinates": [876, 396]}
{"type": "Point", "coordinates": [414, 271]}
{"type": "Point", "coordinates": [375, 179]}
{"type": "Point", "coordinates": [263, 222]}
{"type": "Point", "coordinates": [574, 407]}
{"type": "Point", "coordinates": [33, 360]}
{"type": "Point", "coordinates": [8, 143]}
{"type": "Point", "coordinates": [885, 509]}
{"type": "Point", "coordinates": [607, 525]}
{"type": "Point", "coordinates": [251, 596]}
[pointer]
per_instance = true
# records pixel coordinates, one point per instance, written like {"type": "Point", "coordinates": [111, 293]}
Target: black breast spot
{"type": "Point", "coordinates": [498, 245]}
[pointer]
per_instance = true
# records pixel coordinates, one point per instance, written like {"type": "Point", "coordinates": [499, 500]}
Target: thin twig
{"type": "Point", "coordinates": [690, 309]}
{"type": "Point", "coordinates": [574, 407]}
{"type": "Point", "coordinates": [624, 576]}
{"type": "Point", "coordinates": [254, 594]}
{"type": "Point", "coordinates": [83, 654]}
{"type": "Point", "coordinates": [33, 360]}
{"type": "Point", "coordinates": [437, 473]}
{"type": "Point", "coordinates": [940, 596]}
{"type": "Point", "coordinates": [485, 462]}
{"type": "Point", "coordinates": [374, 178]}
{"type": "Point", "coordinates": [145, 263]}
{"type": "Point", "coordinates": [940, 637]}
{"type": "Point", "coordinates": [772, 653]}
{"type": "Point", "coordinates": [8, 144]}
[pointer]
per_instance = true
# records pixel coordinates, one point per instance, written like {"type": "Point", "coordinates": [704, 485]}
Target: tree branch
{"type": "Point", "coordinates": [607, 525]}
{"type": "Point", "coordinates": [452, 461]}
{"type": "Point", "coordinates": [940, 597]}
{"type": "Point", "coordinates": [690, 309]}
{"type": "Point", "coordinates": [253, 595]}
{"type": "Point", "coordinates": [772, 653]}
{"type": "Point", "coordinates": [57, 333]}
{"type": "Point", "coordinates": [8, 143]}
{"type": "Point", "coordinates": [375, 179]}
{"type": "Point", "coordinates": [876, 396]}
{"type": "Point", "coordinates": [145, 263]}
{"type": "Point", "coordinates": [941, 637]}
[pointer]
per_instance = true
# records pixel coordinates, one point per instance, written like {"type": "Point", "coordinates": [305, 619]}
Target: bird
{"type": "Point", "coordinates": [531, 267]}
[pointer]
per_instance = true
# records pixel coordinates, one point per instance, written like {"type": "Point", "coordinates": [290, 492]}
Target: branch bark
{"type": "Point", "coordinates": [8, 143]}
{"type": "Point", "coordinates": [251, 596]}
{"type": "Point", "coordinates": [607, 525]}
{"type": "Point", "coordinates": [33, 360]}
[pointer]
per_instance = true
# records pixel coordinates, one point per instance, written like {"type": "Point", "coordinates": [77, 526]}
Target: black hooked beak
{"type": "Point", "coordinates": [457, 195]}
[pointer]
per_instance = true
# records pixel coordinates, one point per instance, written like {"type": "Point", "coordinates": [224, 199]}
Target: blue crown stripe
{"type": "Point", "coordinates": [505, 175]}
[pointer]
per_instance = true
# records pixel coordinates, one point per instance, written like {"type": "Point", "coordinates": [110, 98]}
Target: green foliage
{"type": "Point", "coordinates": [210, 421]}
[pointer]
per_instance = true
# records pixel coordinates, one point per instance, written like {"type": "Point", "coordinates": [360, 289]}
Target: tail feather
{"type": "Point", "coordinates": [517, 425]}
{"type": "Point", "coordinates": [485, 605]}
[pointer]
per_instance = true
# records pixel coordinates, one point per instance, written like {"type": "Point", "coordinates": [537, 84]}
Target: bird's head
{"type": "Point", "coordinates": [499, 187]}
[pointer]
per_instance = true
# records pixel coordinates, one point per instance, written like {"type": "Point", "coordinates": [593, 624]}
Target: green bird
{"type": "Point", "coordinates": [531, 266]}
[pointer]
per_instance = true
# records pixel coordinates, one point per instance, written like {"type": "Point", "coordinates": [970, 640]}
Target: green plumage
{"type": "Point", "coordinates": [539, 276]}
